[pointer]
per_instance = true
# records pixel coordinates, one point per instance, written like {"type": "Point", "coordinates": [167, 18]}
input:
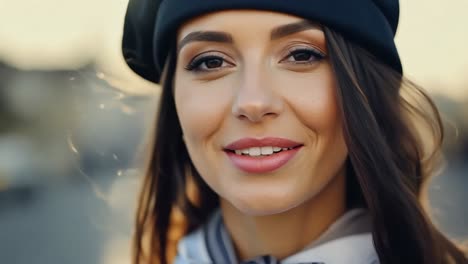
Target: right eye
{"type": "Point", "coordinates": [208, 63]}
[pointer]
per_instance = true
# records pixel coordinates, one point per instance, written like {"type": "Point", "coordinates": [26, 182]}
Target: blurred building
{"type": "Point", "coordinates": [70, 146]}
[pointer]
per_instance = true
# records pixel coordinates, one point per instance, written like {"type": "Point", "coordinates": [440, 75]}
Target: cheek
{"type": "Point", "coordinates": [313, 100]}
{"type": "Point", "coordinates": [201, 109]}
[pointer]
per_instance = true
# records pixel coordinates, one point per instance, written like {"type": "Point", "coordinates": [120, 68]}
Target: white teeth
{"type": "Point", "coordinates": [255, 151]}
{"type": "Point", "coordinates": [258, 151]}
{"type": "Point", "coordinates": [267, 150]}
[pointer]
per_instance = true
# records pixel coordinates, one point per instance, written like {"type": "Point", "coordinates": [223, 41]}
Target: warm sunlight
{"type": "Point", "coordinates": [53, 34]}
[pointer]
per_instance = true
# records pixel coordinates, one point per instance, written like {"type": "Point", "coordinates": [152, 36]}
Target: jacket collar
{"type": "Point", "coordinates": [347, 240]}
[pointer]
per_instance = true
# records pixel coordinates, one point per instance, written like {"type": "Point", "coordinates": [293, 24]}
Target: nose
{"type": "Point", "coordinates": [256, 98]}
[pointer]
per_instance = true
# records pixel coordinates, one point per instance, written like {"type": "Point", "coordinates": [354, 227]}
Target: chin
{"type": "Point", "coordinates": [262, 204]}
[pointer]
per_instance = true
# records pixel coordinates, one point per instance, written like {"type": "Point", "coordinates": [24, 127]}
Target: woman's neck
{"type": "Point", "coordinates": [284, 234]}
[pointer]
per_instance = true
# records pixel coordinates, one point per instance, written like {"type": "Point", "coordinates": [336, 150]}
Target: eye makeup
{"type": "Point", "coordinates": [209, 61]}
{"type": "Point", "coordinates": [303, 55]}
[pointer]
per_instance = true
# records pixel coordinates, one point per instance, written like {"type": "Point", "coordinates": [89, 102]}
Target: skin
{"type": "Point", "coordinates": [254, 87]}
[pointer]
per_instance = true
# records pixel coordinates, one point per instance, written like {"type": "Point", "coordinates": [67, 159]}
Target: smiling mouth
{"type": "Point", "coordinates": [260, 151]}
{"type": "Point", "coordinates": [259, 156]}
{"type": "Point", "coordinates": [260, 160]}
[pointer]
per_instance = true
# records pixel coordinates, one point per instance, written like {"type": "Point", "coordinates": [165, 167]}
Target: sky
{"type": "Point", "coordinates": [433, 43]}
{"type": "Point", "coordinates": [67, 34]}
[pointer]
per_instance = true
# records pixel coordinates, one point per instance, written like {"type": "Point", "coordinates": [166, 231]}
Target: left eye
{"type": "Point", "coordinates": [304, 56]}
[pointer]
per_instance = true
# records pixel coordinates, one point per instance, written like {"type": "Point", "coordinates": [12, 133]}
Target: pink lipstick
{"type": "Point", "coordinates": [261, 155]}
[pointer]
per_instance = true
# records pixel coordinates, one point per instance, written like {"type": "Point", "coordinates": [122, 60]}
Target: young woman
{"type": "Point", "coordinates": [286, 133]}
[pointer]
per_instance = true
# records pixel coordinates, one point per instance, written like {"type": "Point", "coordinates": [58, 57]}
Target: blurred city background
{"type": "Point", "coordinates": [75, 121]}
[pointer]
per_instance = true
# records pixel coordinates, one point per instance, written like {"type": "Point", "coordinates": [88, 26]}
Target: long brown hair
{"type": "Point", "coordinates": [388, 164]}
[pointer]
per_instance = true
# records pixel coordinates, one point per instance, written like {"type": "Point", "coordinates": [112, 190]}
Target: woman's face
{"type": "Point", "coordinates": [255, 95]}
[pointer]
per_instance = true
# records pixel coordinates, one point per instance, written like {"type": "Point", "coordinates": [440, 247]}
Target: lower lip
{"type": "Point", "coordinates": [262, 164]}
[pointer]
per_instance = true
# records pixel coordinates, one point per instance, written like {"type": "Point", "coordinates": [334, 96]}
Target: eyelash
{"type": "Point", "coordinates": [194, 64]}
{"type": "Point", "coordinates": [315, 54]}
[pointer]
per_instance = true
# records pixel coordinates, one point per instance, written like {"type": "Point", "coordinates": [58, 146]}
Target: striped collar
{"type": "Point", "coordinates": [348, 240]}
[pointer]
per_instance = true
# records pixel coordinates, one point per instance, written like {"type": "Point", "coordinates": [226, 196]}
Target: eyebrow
{"type": "Point", "coordinates": [289, 29]}
{"type": "Point", "coordinates": [222, 37]}
{"type": "Point", "coordinates": [211, 36]}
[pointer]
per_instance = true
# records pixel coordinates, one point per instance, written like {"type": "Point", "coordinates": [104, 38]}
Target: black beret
{"type": "Point", "coordinates": [151, 25]}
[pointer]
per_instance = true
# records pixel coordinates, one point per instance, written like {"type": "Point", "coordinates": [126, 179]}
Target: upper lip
{"type": "Point", "coordinates": [245, 143]}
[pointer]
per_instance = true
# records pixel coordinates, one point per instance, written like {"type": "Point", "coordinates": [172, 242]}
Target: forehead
{"type": "Point", "coordinates": [235, 20]}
